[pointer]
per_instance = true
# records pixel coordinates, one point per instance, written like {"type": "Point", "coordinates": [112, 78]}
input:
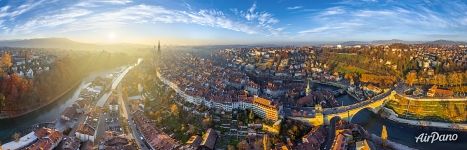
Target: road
{"type": "Point", "coordinates": [115, 83]}
{"type": "Point", "coordinates": [134, 131]}
{"type": "Point", "coordinates": [103, 100]}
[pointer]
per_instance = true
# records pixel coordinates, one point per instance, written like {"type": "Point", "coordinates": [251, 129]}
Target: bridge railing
{"type": "Point", "coordinates": [356, 105]}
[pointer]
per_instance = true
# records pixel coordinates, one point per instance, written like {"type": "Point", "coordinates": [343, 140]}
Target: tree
{"type": "Point", "coordinates": [439, 79]}
{"type": "Point", "coordinates": [207, 122]}
{"type": "Point", "coordinates": [6, 60]}
{"type": "Point", "coordinates": [174, 110]}
{"type": "Point", "coordinates": [411, 77]}
{"type": "Point", "coordinates": [455, 79]}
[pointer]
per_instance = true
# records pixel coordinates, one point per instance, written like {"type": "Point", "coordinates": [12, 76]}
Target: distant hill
{"type": "Point", "coordinates": [393, 41]}
{"type": "Point", "coordinates": [446, 42]}
{"type": "Point", "coordinates": [64, 43]}
{"type": "Point", "coordinates": [350, 43]}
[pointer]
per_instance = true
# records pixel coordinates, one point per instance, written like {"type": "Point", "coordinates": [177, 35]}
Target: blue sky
{"type": "Point", "coordinates": [233, 21]}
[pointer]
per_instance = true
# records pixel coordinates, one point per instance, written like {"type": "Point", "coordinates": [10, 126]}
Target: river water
{"type": "Point", "coordinates": [405, 134]}
{"type": "Point", "coordinates": [48, 113]}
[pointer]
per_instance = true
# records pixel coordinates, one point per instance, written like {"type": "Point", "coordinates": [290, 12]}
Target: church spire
{"type": "Point", "coordinates": [308, 89]}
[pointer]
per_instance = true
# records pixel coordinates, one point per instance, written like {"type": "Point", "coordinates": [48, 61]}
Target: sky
{"type": "Point", "coordinates": [189, 22]}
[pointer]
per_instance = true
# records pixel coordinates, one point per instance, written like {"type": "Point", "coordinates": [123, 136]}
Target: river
{"type": "Point", "coordinates": [397, 132]}
{"type": "Point", "coordinates": [47, 113]}
{"type": "Point", "coordinates": [405, 134]}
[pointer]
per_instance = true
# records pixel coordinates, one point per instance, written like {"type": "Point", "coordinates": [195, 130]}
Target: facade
{"type": "Point", "coordinates": [434, 91]}
{"type": "Point", "coordinates": [265, 108]}
{"type": "Point", "coordinates": [340, 141]}
{"type": "Point", "coordinates": [88, 129]}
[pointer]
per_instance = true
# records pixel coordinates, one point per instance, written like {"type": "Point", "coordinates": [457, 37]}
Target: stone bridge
{"type": "Point", "coordinates": [323, 116]}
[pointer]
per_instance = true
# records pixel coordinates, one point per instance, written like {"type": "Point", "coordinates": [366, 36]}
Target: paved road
{"type": "Point", "coordinates": [125, 111]}
{"type": "Point", "coordinates": [134, 132]}
{"type": "Point", "coordinates": [115, 83]}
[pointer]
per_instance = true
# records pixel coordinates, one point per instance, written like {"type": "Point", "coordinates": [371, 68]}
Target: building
{"type": "Point", "coordinates": [48, 139]}
{"type": "Point", "coordinates": [362, 145]}
{"type": "Point", "coordinates": [117, 143]}
{"type": "Point", "coordinates": [194, 142]}
{"type": "Point", "coordinates": [435, 91]}
{"type": "Point", "coordinates": [88, 129]}
{"type": "Point", "coordinates": [21, 143]}
{"type": "Point", "coordinates": [113, 105]}
{"type": "Point", "coordinates": [265, 108]}
{"type": "Point", "coordinates": [209, 140]}
{"type": "Point", "coordinates": [41, 139]}
{"type": "Point", "coordinates": [314, 138]}
{"type": "Point", "coordinates": [153, 138]}
{"type": "Point", "coordinates": [70, 143]}
{"type": "Point", "coordinates": [340, 140]}
{"type": "Point", "coordinates": [372, 88]}
{"type": "Point", "coordinates": [69, 113]}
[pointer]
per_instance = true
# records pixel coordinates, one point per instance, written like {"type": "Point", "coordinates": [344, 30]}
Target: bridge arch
{"type": "Point", "coordinates": [363, 115]}
{"type": "Point", "coordinates": [350, 113]}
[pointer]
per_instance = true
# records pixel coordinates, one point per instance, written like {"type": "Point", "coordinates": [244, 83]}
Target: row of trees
{"type": "Point", "coordinates": [448, 79]}
{"type": "Point", "coordinates": [12, 86]}
{"type": "Point", "coordinates": [378, 79]}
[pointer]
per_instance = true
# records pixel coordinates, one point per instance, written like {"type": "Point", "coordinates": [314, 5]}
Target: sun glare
{"type": "Point", "coordinates": [111, 36]}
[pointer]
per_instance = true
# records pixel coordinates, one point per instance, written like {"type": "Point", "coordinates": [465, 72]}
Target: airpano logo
{"type": "Point", "coordinates": [435, 137]}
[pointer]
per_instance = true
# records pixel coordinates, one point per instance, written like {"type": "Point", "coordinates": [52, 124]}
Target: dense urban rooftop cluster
{"type": "Point", "coordinates": [155, 138]}
{"type": "Point", "coordinates": [29, 63]}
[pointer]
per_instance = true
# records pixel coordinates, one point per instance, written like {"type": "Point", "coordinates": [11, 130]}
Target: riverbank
{"type": "Point", "coordinates": [423, 123]}
{"type": "Point", "coordinates": [48, 113]}
{"type": "Point", "coordinates": [55, 98]}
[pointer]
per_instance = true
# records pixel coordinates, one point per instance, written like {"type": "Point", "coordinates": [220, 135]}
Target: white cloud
{"type": "Point", "coordinates": [294, 7]}
{"type": "Point", "coordinates": [393, 18]}
{"type": "Point", "coordinates": [64, 16]}
{"type": "Point", "coordinates": [95, 3]}
{"type": "Point", "coordinates": [332, 11]}
{"type": "Point", "coordinates": [251, 14]}
{"type": "Point", "coordinates": [23, 8]}
{"type": "Point", "coordinates": [82, 19]}
{"type": "Point", "coordinates": [319, 29]}
{"type": "Point", "coordinates": [266, 18]}
{"type": "Point", "coordinates": [371, 13]}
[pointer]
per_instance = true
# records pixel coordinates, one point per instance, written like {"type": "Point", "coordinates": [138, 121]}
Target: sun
{"type": "Point", "coordinates": [111, 36]}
